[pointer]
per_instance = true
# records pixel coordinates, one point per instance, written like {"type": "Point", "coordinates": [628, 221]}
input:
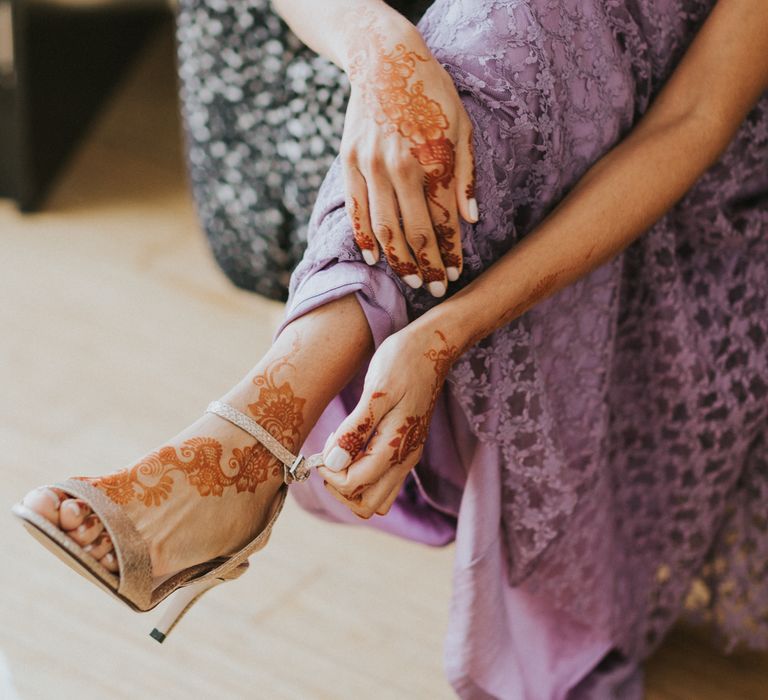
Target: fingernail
{"type": "Point", "coordinates": [338, 459]}
{"type": "Point", "coordinates": [413, 281]}
{"type": "Point", "coordinates": [369, 257]}
{"type": "Point", "coordinates": [72, 506]}
{"type": "Point", "coordinates": [453, 273]}
{"type": "Point", "coordinates": [437, 289]}
{"type": "Point", "coordinates": [474, 214]}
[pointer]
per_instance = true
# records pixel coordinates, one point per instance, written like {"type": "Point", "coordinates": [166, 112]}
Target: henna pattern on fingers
{"type": "Point", "coordinates": [354, 440]}
{"type": "Point", "coordinates": [363, 239]}
{"type": "Point", "coordinates": [199, 459]}
{"type": "Point", "coordinates": [401, 106]}
{"type": "Point", "coordinates": [400, 267]}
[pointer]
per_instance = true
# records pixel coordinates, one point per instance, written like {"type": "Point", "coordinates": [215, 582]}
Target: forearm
{"type": "Point", "coordinates": [633, 185]}
{"type": "Point", "coordinates": [331, 32]}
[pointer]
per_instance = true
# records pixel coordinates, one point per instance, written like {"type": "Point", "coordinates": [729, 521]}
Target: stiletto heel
{"type": "Point", "coordinates": [185, 598]}
{"type": "Point", "coordinates": [134, 585]}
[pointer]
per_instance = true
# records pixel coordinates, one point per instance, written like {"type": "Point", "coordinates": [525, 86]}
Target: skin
{"type": "Point", "coordinates": [684, 132]}
{"type": "Point", "coordinates": [407, 144]}
{"type": "Point", "coordinates": [205, 492]}
{"type": "Point", "coordinates": [625, 192]}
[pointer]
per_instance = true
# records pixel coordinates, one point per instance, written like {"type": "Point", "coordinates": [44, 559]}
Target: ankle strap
{"type": "Point", "coordinates": [295, 468]}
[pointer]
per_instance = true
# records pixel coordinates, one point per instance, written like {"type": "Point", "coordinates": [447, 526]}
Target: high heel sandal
{"type": "Point", "coordinates": [133, 585]}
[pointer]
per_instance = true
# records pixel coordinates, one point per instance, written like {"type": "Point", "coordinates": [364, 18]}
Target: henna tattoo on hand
{"type": "Point", "coordinates": [400, 267]}
{"type": "Point", "coordinates": [363, 239]}
{"type": "Point", "coordinates": [199, 459]}
{"type": "Point", "coordinates": [353, 440]}
{"type": "Point", "coordinates": [400, 105]}
{"type": "Point", "coordinates": [412, 433]}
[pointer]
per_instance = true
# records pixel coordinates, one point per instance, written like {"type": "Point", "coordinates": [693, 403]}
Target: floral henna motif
{"type": "Point", "coordinates": [353, 441]}
{"type": "Point", "coordinates": [400, 267]}
{"type": "Point", "coordinates": [383, 78]}
{"type": "Point", "coordinates": [428, 272]}
{"type": "Point", "coordinates": [364, 240]}
{"type": "Point", "coordinates": [412, 434]}
{"type": "Point", "coordinates": [199, 459]}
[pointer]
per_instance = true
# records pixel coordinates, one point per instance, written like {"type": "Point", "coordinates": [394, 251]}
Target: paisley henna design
{"type": "Point", "coordinates": [400, 267]}
{"type": "Point", "coordinates": [383, 78]}
{"type": "Point", "coordinates": [363, 239]}
{"type": "Point", "coordinates": [199, 459]}
{"type": "Point", "coordinates": [428, 272]}
{"type": "Point", "coordinates": [354, 440]}
{"type": "Point", "coordinates": [412, 434]}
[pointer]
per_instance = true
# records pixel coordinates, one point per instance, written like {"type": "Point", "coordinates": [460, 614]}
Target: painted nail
{"type": "Point", "coordinates": [474, 214]}
{"type": "Point", "coordinates": [413, 281]}
{"type": "Point", "coordinates": [453, 273]}
{"type": "Point", "coordinates": [369, 257]}
{"type": "Point", "coordinates": [54, 498]}
{"type": "Point", "coordinates": [437, 289]}
{"type": "Point", "coordinates": [338, 459]}
{"type": "Point", "coordinates": [72, 506]}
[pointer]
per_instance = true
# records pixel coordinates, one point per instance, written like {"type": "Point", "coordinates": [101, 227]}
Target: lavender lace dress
{"type": "Point", "coordinates": [601, 462]}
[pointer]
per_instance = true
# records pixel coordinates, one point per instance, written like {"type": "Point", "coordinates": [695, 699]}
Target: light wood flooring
{"type": "Point", "coordinates": [116, 329]}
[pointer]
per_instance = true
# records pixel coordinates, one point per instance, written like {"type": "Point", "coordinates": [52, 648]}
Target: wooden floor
{"type": "Point", "coordinates": [117, 329]}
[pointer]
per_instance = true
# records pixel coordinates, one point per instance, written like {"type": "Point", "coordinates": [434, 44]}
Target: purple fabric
{"type": "Point", "coordinates": [601, 461]}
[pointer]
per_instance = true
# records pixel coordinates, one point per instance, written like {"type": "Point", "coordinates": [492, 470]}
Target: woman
{"type": "Point", "coordinates": [599, 447]}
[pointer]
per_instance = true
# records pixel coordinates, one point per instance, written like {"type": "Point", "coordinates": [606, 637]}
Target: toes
{"type": "Point", "coordinates": [44, 501]}
{"type": "Point", "coordinates": [109, 562]}
{"type": "Point", "coordinates": [87, 531]}
{"type": "Point", "coordinates": [72, 513]}
{"type": "Point", "coordinates": [101, 546]}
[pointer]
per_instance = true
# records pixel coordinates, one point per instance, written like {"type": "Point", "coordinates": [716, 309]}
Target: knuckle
{"type": "Point", "coordinates": [348, 156]}
{"type": "Point", "coordinates": [400, 164]}
{"type": "Point", "coordinates": [372, 162]}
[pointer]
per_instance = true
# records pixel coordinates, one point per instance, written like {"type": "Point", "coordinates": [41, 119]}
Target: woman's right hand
{"type": "Point", "coordinates": [406, 153]}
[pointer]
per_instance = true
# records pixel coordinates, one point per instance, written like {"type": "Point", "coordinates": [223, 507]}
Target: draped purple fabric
{"type": "Point", "coordinates": [601, 462]}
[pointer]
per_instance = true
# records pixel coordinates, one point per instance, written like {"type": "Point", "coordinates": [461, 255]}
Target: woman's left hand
{"type": "Point", "coordinates": [368, 457]}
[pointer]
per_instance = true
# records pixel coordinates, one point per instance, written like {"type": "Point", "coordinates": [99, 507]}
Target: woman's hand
{"type": "Point", "coordinates": [407, 154]}
{"type": "Point", "coordinates": [368, 457]}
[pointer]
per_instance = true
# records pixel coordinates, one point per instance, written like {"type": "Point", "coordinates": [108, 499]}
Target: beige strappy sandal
{"type": "Point", "coordinates": [133, 586]}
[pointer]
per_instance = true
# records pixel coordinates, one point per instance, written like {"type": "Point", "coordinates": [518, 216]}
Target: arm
{"type": "Point", "coordinates": [686, 129]}
{"type": "Point", "coordinates": [406, 149]}
{"type": "Point", "coordinates": [718, 81]}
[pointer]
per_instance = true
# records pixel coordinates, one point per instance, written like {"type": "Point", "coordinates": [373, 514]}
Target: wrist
{"type": "Point", "coordinates": [357, 56]}
{"type": "Point", "coordinates": [452, 318]}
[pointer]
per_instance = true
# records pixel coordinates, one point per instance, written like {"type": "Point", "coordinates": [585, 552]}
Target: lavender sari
{"type": "Point", "coordinates": [601, 462]}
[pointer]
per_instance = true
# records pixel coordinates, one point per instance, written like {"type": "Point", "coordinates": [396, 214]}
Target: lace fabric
{"type": "Point", "coordinates": [629, 411]}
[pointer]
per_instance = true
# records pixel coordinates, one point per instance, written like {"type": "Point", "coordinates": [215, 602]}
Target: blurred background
{"type": "Point", "coordinates": [118, 326]}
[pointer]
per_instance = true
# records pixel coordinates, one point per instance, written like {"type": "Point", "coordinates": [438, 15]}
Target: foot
{"type": "Point", "coordinates": [204, 494]}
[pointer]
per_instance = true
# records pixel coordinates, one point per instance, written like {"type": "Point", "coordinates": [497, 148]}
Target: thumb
{"type": "Point", "coordinates": [465, 179]}
{"type": "Point", "coordinates": [353, 434]}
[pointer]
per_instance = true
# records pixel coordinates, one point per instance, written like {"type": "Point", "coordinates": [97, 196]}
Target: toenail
{"type": "Point", "coordinates": [109, 557]}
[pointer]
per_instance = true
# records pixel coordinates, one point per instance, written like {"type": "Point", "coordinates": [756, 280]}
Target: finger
{"type": "Point", "coordinates": [421, 236]}
{"type": "Point", "coordinates": [369, 466]}
{"type": "Point", "coordinates": [373, 498]}
{"type": "Point", "coordinates": [356, 201]}
{"type": "Point", "coordinates": [442, 209]}
{"type": "Point", "coordinates": [465, 179]}
{"type": "Point", "coordinates": [353, 433]}
{"type": "Point", "coordinates": [386, 228]}
{"type": "Point", "coordinates": [384, 508]}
